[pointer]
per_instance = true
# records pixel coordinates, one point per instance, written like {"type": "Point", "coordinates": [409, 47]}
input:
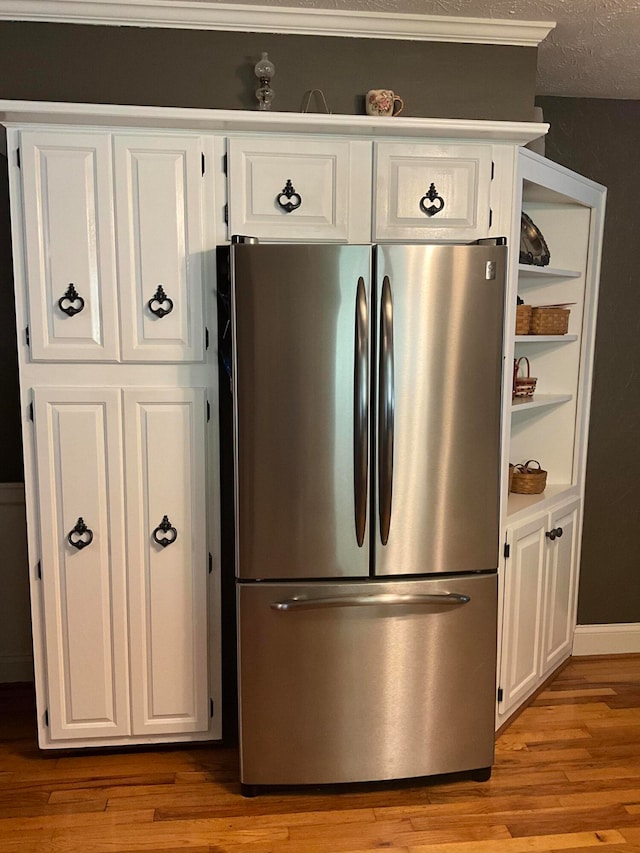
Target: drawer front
{"type": "Point", "coordinates": [432, 192]}
{"type": "Point", "coordinates": [288, 189]}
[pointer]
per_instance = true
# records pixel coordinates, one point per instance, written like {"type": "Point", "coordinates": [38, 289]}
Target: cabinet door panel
{"type": "Point", "coordinates": [461, 177]}
{"type": "Point", "coordinates": [78, 438]}
{"type": "Point", "coordinates": [524, 576]}
{"type": "Point", "coordinates": [320, 173]}
{"type": "Point", "coordinates": [160, 244]}
{"type": "Point", "coordinates": [165, 476]}
{"type": "Point", "coordinates": [560, 592]}
{"type": "Point", "coordinates": [68, 220]}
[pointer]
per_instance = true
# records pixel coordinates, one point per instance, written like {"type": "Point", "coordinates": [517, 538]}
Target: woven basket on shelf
{"type": "Point", "coordinates": [523, 319]}
{"type": "Point", "coordinates": [511, 467]}
{"type": "Point", "coordinates": [549, 321]}
{"type": "Point", "coordinates": [523, 386]}
{"type": "Point", "coordinates": [527, 480]}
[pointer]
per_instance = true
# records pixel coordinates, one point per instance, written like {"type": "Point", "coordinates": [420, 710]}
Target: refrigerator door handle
{"type": "Point", "coordinates": [360, 414]}
{"type": "Point", "coordinates": [385, 599]}
{"type": "Point", "coordinates": [386, 406]}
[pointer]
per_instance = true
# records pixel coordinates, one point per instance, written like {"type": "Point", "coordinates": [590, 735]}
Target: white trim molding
{"type": "Point", "coordinates": [285, 20]}
{"type": "Point", "coordinates": [615, 639]}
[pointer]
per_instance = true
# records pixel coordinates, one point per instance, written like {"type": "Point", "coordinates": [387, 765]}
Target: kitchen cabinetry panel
{"type": "Point", "coordinates": [561, 586]}
{"type": "Point", "coordinates": [307, 189]}
{"type": "Point", "coordinates": [69, 246]}
{"type": "Point", "coordinates": [160, 247]}
{"type": "Point", "coordinates": [78, 438]}
{"type": "Point", "coordinates": [432, 192]}
{"type": "Point", "coordinates": [167, 556]}
{"type": "Point", "coordinates": [522, 627]}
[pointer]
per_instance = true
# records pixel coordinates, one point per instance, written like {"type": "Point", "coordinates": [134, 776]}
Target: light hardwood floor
{"type": "Point", "coordinates": [566, 778]}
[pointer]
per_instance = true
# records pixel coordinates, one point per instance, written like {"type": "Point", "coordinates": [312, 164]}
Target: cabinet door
{"type": "Point", "coordinates": [79, 480]}
{"type": "Point", "coordinates": [560, 586]}
{"type": "Point", "coordinates": [167, 557]}
{"type": "Point", "coordinates": [307, 189]}
{"type": "Point", "coordinates": [160, 247]}
{"type": "Point", "coordinates": [523, 599]}
{"type": "Point", "coordinates": [432, 192]}
{"type": "Point", "coordinates": [68, 225]}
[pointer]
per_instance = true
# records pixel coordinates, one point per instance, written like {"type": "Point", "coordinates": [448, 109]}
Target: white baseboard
{"type": "Point", "coordinates": [15, 668]}
{"type": "Point", "coordinates": [615, 639]}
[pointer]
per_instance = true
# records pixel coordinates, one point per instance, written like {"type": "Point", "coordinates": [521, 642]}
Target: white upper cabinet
{"type": "Point", "coordinates": [70, 251]}
{"type": "Point", "coordinates": [304, 189]}
{"type": "Point", "coordinates": [160, 247]}
{"type": "Point", "coordinates": [96, 266]}
{"type": "Point", "coordinates": [433, 192]}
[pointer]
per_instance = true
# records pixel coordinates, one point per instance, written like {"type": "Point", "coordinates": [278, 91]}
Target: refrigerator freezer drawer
{"type": "Point", "coordinates": [366, 681]}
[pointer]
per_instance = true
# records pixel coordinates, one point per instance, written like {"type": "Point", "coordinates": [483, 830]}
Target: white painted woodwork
{"type": "Point", "coordinates": [165, 475]}
{"type": "Point", "coordinates": [523, 602]}
{"type": "Point", "coordinates": [404, 173]}
{"type": "Point", "coordinates": [281, 19]}
{"type": "Point", "coordinates": [160, 242]}
{"type": "Point", "coordinates": [78, 438]}
{"type": "Point", "coordinates": [68, 223]}
{"type": "Point", "coordinates": [321, 173]}
{"type": "Point", "coordinates": [561, 587]}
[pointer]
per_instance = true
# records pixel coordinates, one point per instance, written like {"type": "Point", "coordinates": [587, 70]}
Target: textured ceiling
{"type": "Point", "coordinates": [593, 52]}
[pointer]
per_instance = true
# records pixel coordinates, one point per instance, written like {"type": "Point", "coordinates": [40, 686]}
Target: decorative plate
{"type": "Point", "coordinates": [533, 246]}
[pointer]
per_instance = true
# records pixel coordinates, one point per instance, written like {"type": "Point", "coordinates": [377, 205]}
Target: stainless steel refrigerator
{"type": "Point", "coordinates": [366, 417]}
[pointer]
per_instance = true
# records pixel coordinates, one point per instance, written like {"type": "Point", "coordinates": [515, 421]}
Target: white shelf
{"type": "Point", "coordinates": [522, 503]}
{"type": "Point", "coordinates": [542, 339]}
{"type": "Point", "coordinates": [538, 401]}
{"type": "Point", "coordinates": [546, 272]}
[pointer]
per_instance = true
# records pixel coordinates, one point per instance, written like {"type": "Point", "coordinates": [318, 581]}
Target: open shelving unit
{"type": "Point", "coordinates": [550, 427]}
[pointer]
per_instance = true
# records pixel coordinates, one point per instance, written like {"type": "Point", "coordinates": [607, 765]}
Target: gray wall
{"type": "Point", "coordinates": [601, 139]}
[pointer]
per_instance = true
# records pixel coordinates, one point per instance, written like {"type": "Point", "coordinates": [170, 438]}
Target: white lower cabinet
{"type": "Point", "coordinates": [540, 586]}
{"type": "Point", "coordinates": [124, 564]}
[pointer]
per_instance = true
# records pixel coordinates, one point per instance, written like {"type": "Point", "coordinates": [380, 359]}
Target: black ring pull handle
{"type": "Point", "coordinates": [293, 198]}
{"type": "Point", "coordinates": [165, 534]}
{"type": "Point", "coordinates": [71, 303]}
{"type": "Point", "coordinates": [432, 196]}
{"type": "Point", "coordinates": [160, 304]}
{"type": "Point", "coordinates": [80, 536]}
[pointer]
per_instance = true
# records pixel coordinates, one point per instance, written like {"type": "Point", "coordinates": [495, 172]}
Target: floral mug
{"type": "Point", "coordinates": [383, 102]}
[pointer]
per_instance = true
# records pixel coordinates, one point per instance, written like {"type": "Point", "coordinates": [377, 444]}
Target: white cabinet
{"type": "Point", "coordinates": [104, 678]}
{"type": "Point", "coordinates": [540, 586]}
{"type": "Point", "coordinates": [69, 245]}
{"type": "Point", "coordinates": [78, 437]}
{"type": "Point", "coordinates": [114, 253]}
{"type": "Point", "coordinates": [305, 189]}
{"type": "Point", "coordinates": [167, 559]}
{"type": "Point", "coordinates": [432, 192]}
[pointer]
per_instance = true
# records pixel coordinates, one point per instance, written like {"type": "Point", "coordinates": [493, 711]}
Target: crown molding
{"type": "Point", "coordinates": [199, 14]}
{"type": "Point", "coordinates": [20, 113]}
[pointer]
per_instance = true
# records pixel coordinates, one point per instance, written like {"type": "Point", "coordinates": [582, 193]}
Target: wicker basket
{"type": "Point", "coordinates": [523, 319]}
{"type": "Point", "coordinates": [523, 386]}
{"type": "Point", "coordinates": [549, 321]}
{"type": "Point", "coordinates": [511, 467]}
{"type": "Point", "coordinates": [527, 480]}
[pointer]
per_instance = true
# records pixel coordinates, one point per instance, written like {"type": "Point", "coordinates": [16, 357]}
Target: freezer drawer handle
{"type": "Point", "coordinates": [386, 599]}
{"type": "Point", "coordinates": [386, 410]}
{"type": "Point", "coordinates": [360, 414]}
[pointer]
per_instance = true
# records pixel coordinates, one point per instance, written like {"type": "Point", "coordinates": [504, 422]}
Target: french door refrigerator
{"type": "Point", "coordinates": [366, 418]}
